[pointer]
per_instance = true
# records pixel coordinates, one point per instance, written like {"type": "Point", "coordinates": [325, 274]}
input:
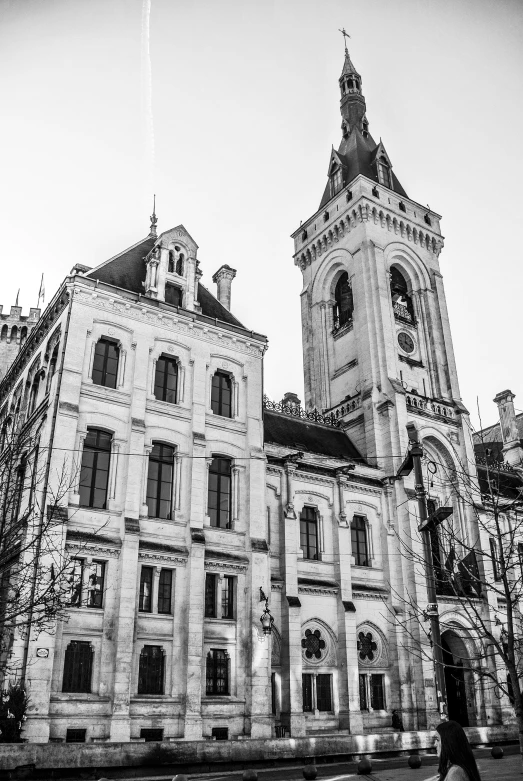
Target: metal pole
{"type": "Point", "coordinates": [432, 608]}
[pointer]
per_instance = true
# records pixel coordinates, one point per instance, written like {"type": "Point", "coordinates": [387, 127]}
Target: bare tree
{"type": "Point", "coordinates": [479, 565]}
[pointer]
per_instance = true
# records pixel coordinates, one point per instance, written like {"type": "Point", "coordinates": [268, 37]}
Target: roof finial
{"type": "Point", "coordinates": [153, 218]}
{"type": "Point", "coordinates": [345, 36]}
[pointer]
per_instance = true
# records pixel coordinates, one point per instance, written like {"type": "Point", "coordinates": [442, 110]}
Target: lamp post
{"type": "Point", "coordinates": [427, 523]}
{"type": "Point", "coordinates": [266, 618]}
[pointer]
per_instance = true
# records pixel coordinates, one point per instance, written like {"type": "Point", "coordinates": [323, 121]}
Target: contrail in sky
{"type": "Point", "coordinates": [147, 96]}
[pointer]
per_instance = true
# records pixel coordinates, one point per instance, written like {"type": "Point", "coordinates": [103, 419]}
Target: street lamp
{"type": "Point", "coordinates": [427, 524]}
{"type": "Point", "coordinates": [266, 618]}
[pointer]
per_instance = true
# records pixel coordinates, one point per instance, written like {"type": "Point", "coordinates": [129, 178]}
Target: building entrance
{"type": "Point", "coordinates": [456, 679]}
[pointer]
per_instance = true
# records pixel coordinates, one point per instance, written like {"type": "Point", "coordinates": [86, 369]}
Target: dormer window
{"type": "Point", "coordinates": [384, 172]}
{"type": "Point", "coordinates": [173, 295]}
{"type": "Point", "coordinates": [402, 207]}
{"type": "Point", "coordinates": [427, 219]}
{"type": "Point", "coordinates": [325, 216]}
{"type": "Point", "coordinates": [336, 181]}
{"type": "Point", "coordinates": [365, 128]}
{"type": "Point", "coordinates": [304, 236]}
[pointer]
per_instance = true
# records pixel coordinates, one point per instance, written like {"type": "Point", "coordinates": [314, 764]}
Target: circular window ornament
{"type": "Point", "coordinates": [406, 342]}
{"type": "Point", "coordinates": [314, 646]}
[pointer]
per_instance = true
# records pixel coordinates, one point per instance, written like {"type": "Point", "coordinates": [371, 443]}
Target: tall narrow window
{"type": "Point", "coordinates": [494, 553]}
{"type": "Point", "coordinates": [384, 172]}
{"type": "Point", "coordinates": [21, 472]}
{"type": "Point", "coordinates": [33, 396]}
{"type": "Point", "coordinates": [151, 670]}
{"type": "Point", "coordinates": [179, 265]}
{"type": "Point", "coordinates": [377, 692]}
{"type": "Point", "coordinates": [172, 261]}
{"type": "Point", "coordinates": [358, 536]}
{"type": "Point", "coordinates": [336, 180]}
{"type": "Point", "coordinates": [160, 481]}
{"type": "Point", "coordinates": [217, 672]}
{"type": "Point", "coordinates": [221, 395]}
{"type": "Point", "coordinates": [165, 591]}
{"type": "Point", "coordinates": [74, 578]}
{"type": "Point", "coordinates": [228, 597]}
{"type": "Point", "coordinates": [219, 499]}
{"type": "Point", "coordinates": [94, 474]}
{"type": "Point", "coordinates": [364, 704]}
{"type": "Point", "coordinates": [401, 298]}
{"type": "Point", "coordinates": [78, 667]}
{"type": "Point", "coordinates": [173, 295]}
{"type": "Point", "coordinates": [105, 365]}
{"type": "Point", "coordinates": [146, 590]}
{"type": "Point", "coordinates": [324, 692]}
{"type": "Point", "coordinates": [166, 379]}
{"type": "Point", "coordinates": [309, 537]}
{"type": "Point", "coordinates": [344, 306]}
{"type": "Point", "coordinates": [95, 587]}
{"type": "Point", "coordinates": [210, 595]}
{"type": "Point", "coordinates": [306, 687]}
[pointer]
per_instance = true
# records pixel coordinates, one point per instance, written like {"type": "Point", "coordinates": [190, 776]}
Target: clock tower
{"type": "Point", "coordinates": [377, 345]}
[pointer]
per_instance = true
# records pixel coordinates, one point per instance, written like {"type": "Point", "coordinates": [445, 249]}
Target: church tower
{"type": "Point", "coordinates": [377, 345]}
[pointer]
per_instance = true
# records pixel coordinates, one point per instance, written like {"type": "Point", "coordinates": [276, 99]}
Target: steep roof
{"type": "Point", "coordinates": [293, 432]}
{"type": "Point", "coordinates": [127, 270]}
{"type": "Point", "coordinates": [348, 67]}
{"type": "Point", "coordinates": [357, 154]}
{"type": "Point", "coordinates": [493, 433]}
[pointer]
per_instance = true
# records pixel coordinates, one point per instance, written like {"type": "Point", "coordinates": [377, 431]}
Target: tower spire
{"type": "Point", "coordinates": [352, 104]}
{"type": "Point", "coordinates": [153, 218]}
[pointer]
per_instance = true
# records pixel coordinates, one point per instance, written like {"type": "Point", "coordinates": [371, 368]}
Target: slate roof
{"type": "Point", "coordinates": [493, 433]}
{"type": "Point", "coordinates": [294, 432]}
{"type": "Point", "coordinates": [127, 270]}
{"type": "Point", "coordinates": [348, 67]}
{"type": "Point", "coordinates": [357, 156]}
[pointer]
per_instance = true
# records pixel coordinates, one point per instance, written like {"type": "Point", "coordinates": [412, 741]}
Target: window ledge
{"type": "Point", "coordinates": [337, 333]}
{"type": "Point", "coordinates": [220, 621]}
{"type": "Point", "coordinates": [86, 609]}
{"type": "Point", "coordinates": [80, 696]}
{"type": "Point", "coordinates": [144, 613]}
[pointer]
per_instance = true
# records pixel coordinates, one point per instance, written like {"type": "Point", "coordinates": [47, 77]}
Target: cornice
{"type": "Point", "coordinates": [162, 558]}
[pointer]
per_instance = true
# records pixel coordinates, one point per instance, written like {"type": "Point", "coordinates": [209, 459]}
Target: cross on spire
{"type": "Point", "coordinates": [345, 36]}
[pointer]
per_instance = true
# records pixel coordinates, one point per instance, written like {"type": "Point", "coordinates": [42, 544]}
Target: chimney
{"type": "Point", "coordinates": [512, 450]}
{"type": "Point", "coordinates": [223, 278]}
{"type": "Point", "coordinates": [291, 401]}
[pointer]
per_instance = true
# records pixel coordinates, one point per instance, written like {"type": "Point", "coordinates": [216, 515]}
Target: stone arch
{"type": "Point", "coordinates": [409, 263]}
{"type": "Point", "coordinates": [381, 653]}
{"type": "Point", "coordinates": [329, 271]}
{"type": "Point", "coordinates": [328, 654]}
{"type": "Point", "coordinates": [460, 649]}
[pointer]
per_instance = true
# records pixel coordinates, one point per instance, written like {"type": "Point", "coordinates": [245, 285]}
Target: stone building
{"type": "Point", "coordinates": [14, 329]}
{"type": "Point", "coordinates": [195, 499]}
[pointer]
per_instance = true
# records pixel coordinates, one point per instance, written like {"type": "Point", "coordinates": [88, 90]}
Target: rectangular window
{"type": "Point", "coordinates": [151, 735]}
{"type": "Point", "coordinates": [364, 705]}
{"type": "Point", "coordinates": [210, 595]}
{"type": "Point", "coordinates": [74, 578]}
{"type": "Point", "coordinates": [324, 692]}
{"type": "Point", "coordinates": [165, 590]}
{"type": "Point", "coordinates": [95, 588]}
{"type": "Point", "coordinates": [494, 553]}
{"type": "Point", "coordinates": [358, 536]}
{"type": "Point", "coordinates": [273, 693]}
{"type": "Point", "coordinates": [105, 364]}
{"type": "Point", "coordinates": [78, 666]}
{"type": "Point", "coordinates": [75, 735]}
{"type": "Point", "coordinates": [173, 295]}
{"type": "Point", "coordinates": [228, 597]}
{"type": "Point", "coordinates": [146, 590]}
{"type": "Point", "coordinates": [306, 686]}
{"type": "Point", "coordinates": [160, 477]}
{"type": "Point", "coordinates": [166, 379]}
{"type": "Point", "coordinates": [217, 673]}
{"type": "Point", "coordinates": [219, 494]}
{"type": "Point", "coordinates": [221, 395]}
{"type": "Point", "coordinates": [94, 473]}
{"type": "Point", "coordinates": [151, 670]}
{"type": "Point", "coordinates": [377, 692]}
{"type": "Point", "coordinates": [220, 733]}
{"type": "Point", "coordinates": [309, 542]}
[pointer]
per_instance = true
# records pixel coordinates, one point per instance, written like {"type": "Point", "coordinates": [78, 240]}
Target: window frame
{"type": "Point", "coordinates": [162, 388]}
{"type": "Point", "coordinates": [151, 677]}
{"type": "Point", "coordinates": [162, 464]}
{"type": "Point", "coordinates": [305, 535]}
{"type": "Point", "coordinates": [217, 669]}
{"type": "Point", "coordinates": [219, 405]}
{"type": "Point", "coordinates": [170, 286]}
{"type": "Point", "coordinates": [79, 681]}
{"type": "Point", "coordinates": [149, 571]}
{"type": "Point", "coordinates": [95, 593]}
{"type": "Point", "coordinates": [343, 315]}
{"type": "Point", "coordinates": [96, 450]}
{"type": "Point", "coordinates": [162, 598]}
{"type": "Point", "coordinates": [215, 512]}
{"type": "Point", "coordinates": [227, 597]}
{"type": "Point", "coordinates": [108, 342]}
{"type": "Point", "coordinates": [356, 535]}
{"type": "Point", "coordinates": [210, 593]}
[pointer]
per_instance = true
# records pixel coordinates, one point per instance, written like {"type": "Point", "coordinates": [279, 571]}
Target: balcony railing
{"type": "Point", "coordinates": [295, 411]}
{"type": "Point", "coordinates": [402, 313]}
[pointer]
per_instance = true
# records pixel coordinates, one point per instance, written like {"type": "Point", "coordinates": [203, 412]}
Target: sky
{"type": "Point", "coordinates": [227, 111]}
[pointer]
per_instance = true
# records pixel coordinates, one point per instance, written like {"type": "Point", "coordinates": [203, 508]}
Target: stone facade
{"type": "Point", "coordinates": [315, 515]}
{"type": "Point", "coordinates": [14, 329]}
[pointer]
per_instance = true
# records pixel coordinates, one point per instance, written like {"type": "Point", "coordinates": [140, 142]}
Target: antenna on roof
{"type": "Point", "coordinates": [153, 218]}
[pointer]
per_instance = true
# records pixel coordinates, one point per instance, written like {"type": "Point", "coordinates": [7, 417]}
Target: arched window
{"type": "Point", "coordinates": [359, 542]}
{"type": "Point", "coordinates": [94, 473]}
{"type": "Point", "coordinates": [23, 334]}
{"type": "Point", "coordinates": [309, 533]}
{"type": "Point", "coordinates": [344, 306]}
{"type": "Point", "coordinates": [78, 667]}
{"type": "Point", "coordinates": [166, 379]}
{"type": "Point", "coordinates": [219, 495]}
{"type": "Point", "coordinates": [33, 395]}
{"type": "Point", "coordinates": [221, 394]}
{"type": "Point", "coordinates": [52, 367]}
{"type": "Point", "coordinates": [151, 670]}
{"type": "Point", "coordinates": [105, 364]}
{"type": "Point", "coordinates": [171, 263]}
{"type": "Point", "coordinates": [14, 333]}
{"type": "Point", "coordinates": [160, 481]}
{"type": "Point", "coordinates": [384, 172]}
{"type": "Point", "coordinates": [3, 336]}
{"type": "Point", "coordinates": [21, 471]}
{"type": "Point", "coordinates": [179, 264]}
{"type": "Point", "coordinates": [173, 295]}
{"type": "Point", "coordinates": [401, 299]}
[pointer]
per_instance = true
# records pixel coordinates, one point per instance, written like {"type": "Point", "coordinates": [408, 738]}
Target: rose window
{"type": "Point", "coordinates": [366, 646]}
{"type": "Point", "coordinates": [313, 644]}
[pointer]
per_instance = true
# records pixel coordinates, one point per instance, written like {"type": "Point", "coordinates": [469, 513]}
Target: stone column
{"type": "Point", "coordinates": [120, 730]}
{"type": "Point", "coordinates": [512, 449]}
{"type": "Point", "coordinates": [195, 622]}
{"type": "Point", "coordinates": [261, 716]}
{"type": "Point", "coordinates": [292, 699]}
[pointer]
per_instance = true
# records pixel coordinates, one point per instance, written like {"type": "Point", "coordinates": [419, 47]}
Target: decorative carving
{"type": "Point", "coordinates": [162, 558]}
{"type": "Point", "coordinates": [372, 646]}
{"type": "Point", "coordinates": [225, 566]}
{"type": "Point", "coordinates": [92, 550]}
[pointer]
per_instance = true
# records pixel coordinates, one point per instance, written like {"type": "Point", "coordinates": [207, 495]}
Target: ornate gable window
{"type": "Point", "coordinates": [336, 180]}
{"type": "Point", "coordinates": [384, 172]}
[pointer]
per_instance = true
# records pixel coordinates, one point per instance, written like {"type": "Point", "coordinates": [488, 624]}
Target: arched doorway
{"type": "Point", "coordinates": [458, 680]}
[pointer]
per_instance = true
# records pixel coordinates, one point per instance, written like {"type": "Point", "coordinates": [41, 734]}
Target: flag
{"type": "Point", "coordinates": [41, 292]}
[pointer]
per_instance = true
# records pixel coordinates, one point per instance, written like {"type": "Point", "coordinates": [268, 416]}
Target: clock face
{"type": "Point", "coordinates": [406, 342]}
